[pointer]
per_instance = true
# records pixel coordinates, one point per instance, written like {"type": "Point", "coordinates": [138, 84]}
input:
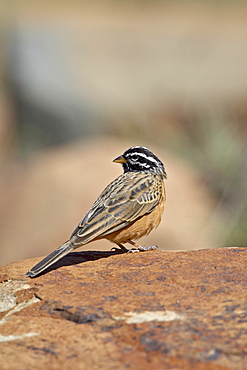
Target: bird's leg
{"type": "Point", "coordinates": [122, 247]}
{"type": "Point", "coordinates": [140, 248]}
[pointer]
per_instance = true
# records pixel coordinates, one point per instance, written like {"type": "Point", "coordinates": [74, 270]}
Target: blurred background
{"type": "Point", "coordinates": [81, 81]}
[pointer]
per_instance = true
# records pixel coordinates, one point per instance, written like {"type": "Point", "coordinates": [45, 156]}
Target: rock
{"type": "Point", "coordinates": [111, 310]}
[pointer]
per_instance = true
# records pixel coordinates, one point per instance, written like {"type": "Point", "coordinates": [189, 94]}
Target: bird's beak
{"type": "Point", "coordinates": [120, 159]}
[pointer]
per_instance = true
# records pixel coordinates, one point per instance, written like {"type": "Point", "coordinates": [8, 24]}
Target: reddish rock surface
{"type": "Point", "coordinates": [109, 310]}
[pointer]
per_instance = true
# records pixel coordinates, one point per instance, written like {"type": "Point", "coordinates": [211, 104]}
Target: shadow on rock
{"type": "Point", "coordinates": [75, 258]}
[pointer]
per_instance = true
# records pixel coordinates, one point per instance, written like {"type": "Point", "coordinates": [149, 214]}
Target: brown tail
{"type": "Point", "coordinates": [50, 259]}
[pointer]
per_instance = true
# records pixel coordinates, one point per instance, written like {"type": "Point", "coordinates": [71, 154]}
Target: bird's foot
{"type": "Point", "coordinates": [140, 248]}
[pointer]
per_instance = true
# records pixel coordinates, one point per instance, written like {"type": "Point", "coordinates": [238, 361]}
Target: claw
{"type": "Point", "coordinates": [133, 250]}
{"type": "Point", "coordinates": [142, 248]}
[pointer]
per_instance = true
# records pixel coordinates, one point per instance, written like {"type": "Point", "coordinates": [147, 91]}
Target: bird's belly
{"type": "Point", "coordinates": [142, 226]}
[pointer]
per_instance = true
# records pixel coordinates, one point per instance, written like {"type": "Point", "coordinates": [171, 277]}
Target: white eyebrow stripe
{"type": "Point", "coordinates": [151, 159]}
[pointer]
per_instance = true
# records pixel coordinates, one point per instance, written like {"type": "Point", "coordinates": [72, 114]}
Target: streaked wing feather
{"type": "Point", "coordinates": [115, 208]}
{"type": "Point", "coordinates": [141, 209]}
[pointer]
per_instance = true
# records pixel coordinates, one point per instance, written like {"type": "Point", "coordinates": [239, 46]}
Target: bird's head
{"type": "Point", "coordinates": [140, 159]}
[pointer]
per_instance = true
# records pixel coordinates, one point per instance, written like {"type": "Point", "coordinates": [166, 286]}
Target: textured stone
{"type": "Point", "coordinates": [111, 310]}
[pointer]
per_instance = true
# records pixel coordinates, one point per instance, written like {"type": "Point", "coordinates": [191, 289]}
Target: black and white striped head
{"type": "Point", "coordinates": [140, 158]}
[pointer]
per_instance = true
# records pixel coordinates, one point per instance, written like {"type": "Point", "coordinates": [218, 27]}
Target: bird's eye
{"type": "Point", "coordinates": [134, 158]}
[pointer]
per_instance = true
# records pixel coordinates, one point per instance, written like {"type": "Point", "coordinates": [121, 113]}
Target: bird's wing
{"type": "Point", "coordinates": [122, 202]}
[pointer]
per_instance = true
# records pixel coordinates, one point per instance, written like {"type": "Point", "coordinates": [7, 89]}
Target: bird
{"type": "Point", "coordinates": [130, 207]}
